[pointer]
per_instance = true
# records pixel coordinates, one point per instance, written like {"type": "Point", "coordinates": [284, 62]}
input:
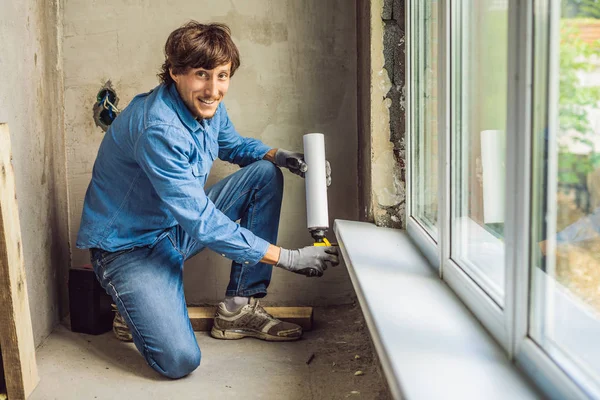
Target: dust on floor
{"type": "Point", "coordinates": [322, 365]}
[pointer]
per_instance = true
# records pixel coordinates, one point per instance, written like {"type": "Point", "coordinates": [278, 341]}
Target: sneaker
{"type": "Point", "coordinates": [120, 327]}
{"type": "Point", "coordinates": [252, 321]}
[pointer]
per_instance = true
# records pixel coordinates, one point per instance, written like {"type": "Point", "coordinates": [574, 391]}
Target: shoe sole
{"type": "Point", "coordinates": [238, 334]}
{"type": "Point", "coordinates": [120, 329]}
{"type": "Point", "coordinates": [124, 335]}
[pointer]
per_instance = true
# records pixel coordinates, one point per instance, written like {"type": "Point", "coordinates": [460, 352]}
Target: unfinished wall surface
{"type": "Point", "coordinates": [31, 104]}
{"type": "Point", "coordinates": [392, 202]}
{"type": "Point", "coordinates": [382, 112]}
{"type": "Point", "coordinates": [298, 75]}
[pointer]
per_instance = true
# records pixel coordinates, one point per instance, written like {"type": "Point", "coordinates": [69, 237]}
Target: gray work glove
{"type": "Point", "coordinates": [308, 261]}
{"type": "Point", "coordinates": [296, 164]}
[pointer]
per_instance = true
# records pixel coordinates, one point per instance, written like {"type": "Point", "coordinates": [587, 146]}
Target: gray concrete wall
{"type": "Point", "coordinates": [298, 75]}
{"type": "Point", "coordinates": [365, 184]}
{"type": "Point", "coordinates": [31, 104]}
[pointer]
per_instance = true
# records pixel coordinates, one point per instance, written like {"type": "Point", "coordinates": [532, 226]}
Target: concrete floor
{"type": "Point", "coordinates": [75, 366]}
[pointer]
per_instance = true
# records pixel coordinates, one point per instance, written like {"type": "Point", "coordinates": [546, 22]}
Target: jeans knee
{"type": "Point", "coordinates": [270, 173]}
{"type": "Point", "coordinates": [179, 362]}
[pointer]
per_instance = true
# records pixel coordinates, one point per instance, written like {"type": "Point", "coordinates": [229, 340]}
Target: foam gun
{"type": "Point", "coordinates": [316, 188]}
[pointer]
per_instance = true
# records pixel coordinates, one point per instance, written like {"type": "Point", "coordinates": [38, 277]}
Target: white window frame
{"type": "Point", "coordinates": [427, 244]}
{"type": "Point", "coordinates": [508, 325]}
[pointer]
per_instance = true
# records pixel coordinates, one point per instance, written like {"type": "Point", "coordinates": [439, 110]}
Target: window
{"type": "Point", "coordinates": [479, 89]}
{"type": "Point", "coordinates": [565, 264]}
{"type": "Point", "coordinates": [506, 97]}
{"type": "Point", "coordinates": [425, 171]}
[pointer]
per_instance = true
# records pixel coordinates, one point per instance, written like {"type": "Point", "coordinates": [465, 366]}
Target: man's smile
{"type": "Point", "coordinates": [209, 102]}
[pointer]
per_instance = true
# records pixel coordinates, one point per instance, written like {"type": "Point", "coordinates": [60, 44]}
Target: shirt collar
{"type": "Point", "coordinates": [184, 113]}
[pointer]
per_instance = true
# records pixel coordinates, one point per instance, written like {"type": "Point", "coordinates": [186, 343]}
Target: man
{"type": "Point", "coordinates": [146, 210]}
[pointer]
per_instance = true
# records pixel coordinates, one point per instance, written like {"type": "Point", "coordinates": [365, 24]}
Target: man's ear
{"type": "Point", "coordinates": [173, 76]}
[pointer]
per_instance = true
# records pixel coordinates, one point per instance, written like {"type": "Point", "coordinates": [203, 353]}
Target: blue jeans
{"type": "Point", "coordinates": [584, 229]}
{"type": "Point", "coordinates": [146, 283]}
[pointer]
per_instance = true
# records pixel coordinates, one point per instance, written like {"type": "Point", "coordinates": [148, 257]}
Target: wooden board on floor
{"type": "Point", "coordinates": [16, 334]}
{"type": "Point", "coordinates": [202, 317]}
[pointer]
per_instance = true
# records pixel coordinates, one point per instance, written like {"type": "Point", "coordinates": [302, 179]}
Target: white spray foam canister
{"type": "Point", "coordinates": [316, 182]}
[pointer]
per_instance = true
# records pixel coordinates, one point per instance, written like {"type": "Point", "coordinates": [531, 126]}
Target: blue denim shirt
{"type": "Point", "coordinates": [149, 176]}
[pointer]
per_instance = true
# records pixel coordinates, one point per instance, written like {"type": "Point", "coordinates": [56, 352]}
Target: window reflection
{"type": "Point", "coordinates": [425, 198]}
{"type": "Point", "coordinates": [565, 309]}
{"type": "Point", "coordinates": [479, 87]}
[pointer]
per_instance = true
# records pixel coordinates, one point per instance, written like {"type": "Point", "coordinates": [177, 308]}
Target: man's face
{"type": "Point", "coordinates": [203, 89]}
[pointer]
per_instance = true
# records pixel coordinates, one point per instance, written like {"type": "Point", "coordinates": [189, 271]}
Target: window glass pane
{"type": "Point", "coordinates": [565, 300]}
{"type": "Point", "coordinates": [425, 151]}
{"type": "Point", "coordinates": [479, 90]}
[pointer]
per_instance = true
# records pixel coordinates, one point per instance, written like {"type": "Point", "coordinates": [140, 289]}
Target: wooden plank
{"type": "Point", "coordinates": [16, 334]}
{"type": "Point", "coordinates": [202, 317]}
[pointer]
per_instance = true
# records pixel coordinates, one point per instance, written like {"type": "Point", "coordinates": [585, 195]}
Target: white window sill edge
{"type": "Point", "coordinates": [429, 344]}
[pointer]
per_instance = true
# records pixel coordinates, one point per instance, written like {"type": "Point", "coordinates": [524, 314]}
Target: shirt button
{"type": "Point", "coordinates": [223, 255]}
{"type": "Point", "coordinates": [246, 262]}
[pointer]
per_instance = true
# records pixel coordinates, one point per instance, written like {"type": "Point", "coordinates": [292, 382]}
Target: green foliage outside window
{"type": "Point", "coordinates": [580, 8]}
{"type": "Point", "coordinates": [575, 100]}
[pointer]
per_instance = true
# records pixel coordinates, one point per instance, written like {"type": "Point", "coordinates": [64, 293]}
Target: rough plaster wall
{"type": "Point", "coordinates": [298, 75]}
{"type": "Point", "coordinates": [387, 113]}
{"type": "Point", "coordinates": [31, 103]}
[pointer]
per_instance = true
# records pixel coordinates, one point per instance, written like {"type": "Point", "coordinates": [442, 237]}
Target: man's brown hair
{"type": "Point", "coordinates": [196, 45]}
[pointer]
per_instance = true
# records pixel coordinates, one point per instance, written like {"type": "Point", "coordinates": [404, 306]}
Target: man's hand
{"type": "Point", "coordinates": [296, 164]}
{"type": "Point", "coordinates": [308, 261]}
{"type": "Point", "coordinates": [543, 247]}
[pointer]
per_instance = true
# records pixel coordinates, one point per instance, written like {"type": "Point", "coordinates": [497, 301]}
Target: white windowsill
{"type": "Point", "coordinates": [429, 344]}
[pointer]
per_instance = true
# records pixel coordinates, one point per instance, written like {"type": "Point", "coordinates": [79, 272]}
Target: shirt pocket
{"type": "Point", "coordinates": [201, 168]}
